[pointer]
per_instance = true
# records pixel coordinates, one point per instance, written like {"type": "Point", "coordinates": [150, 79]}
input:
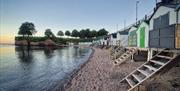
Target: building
{"type": "Point", "coordinates": [143, 35]}
{"type": "Point", "coordinates": [122, 37]}
{"type": "Point", "coordinates": [113, 39]}
{"type": "Point", "coordinates": [132, 37]}
{"type": "Point", "coordinates": [164, 25]}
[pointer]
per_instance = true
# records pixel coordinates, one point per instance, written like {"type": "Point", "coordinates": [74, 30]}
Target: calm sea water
{"type": "Point", "coordinates": [23, 69]}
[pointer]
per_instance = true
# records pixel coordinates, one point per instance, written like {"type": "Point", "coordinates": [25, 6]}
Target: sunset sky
{"type": "Point", "coordinates": [68, 15]}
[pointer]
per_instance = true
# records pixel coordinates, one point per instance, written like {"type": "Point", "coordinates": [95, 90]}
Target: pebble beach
{"type": "Point", "coordinates": [100, 74]}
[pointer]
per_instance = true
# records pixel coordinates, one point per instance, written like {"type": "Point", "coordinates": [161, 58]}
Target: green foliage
{"type": "Point", "coordinates": [87, 33]}
{"type": "Point", "coordinates": [67, 33]}
{"type": "Point", "coordinates": [27, 28]}
{"type": "Point", "coordinates": [60, 33]}
{"type": "Point", "coordinates": [57, 40]}
{"type": "Point", "coordinates": [49, 33]}
{"type": "Point", "coordinates": [32, 39]}
{"type": "Point", "coordinates": [82, 33]}
{"type": "Point", "coordinates": [102, 32]}
{"type": "Point", "coordinates": [75, 33]}
{"type": "Point", "coordinates": [93, 33]}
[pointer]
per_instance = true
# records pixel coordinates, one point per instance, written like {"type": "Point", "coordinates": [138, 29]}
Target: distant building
{"type": "Point", "coordinates": [122, 37]}
{"type": "Point", "coordinates": [113, 39]}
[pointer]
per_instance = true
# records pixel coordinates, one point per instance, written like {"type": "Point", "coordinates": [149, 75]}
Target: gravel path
{"type": "Point", "coordinates": [99, 74]}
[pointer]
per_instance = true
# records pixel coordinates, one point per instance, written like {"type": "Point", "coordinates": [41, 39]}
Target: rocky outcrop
{"type": "Point", "coordinates": [47, 42]}
{"type": "Point", "coordinates": [21, 42]}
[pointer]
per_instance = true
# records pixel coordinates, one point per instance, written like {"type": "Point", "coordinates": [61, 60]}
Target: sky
{"type": "Point", "coordinates": [68, 15]}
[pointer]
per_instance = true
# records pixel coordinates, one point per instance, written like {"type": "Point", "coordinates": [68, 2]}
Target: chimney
{"type": "Point", "coordinates": [145, 17]}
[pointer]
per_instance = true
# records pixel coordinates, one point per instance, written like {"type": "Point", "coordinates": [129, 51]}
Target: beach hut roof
{"type": "Point", "coordinates": [125, 32]}
{"type": "Point", "coordinates": [178, 7]}
{"type": "Point", "coordinates": [174, 6]}
{"type": "Point", "coordinates": [145, 21]}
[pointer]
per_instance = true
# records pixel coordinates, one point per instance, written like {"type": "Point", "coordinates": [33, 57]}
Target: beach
{"type": "Point", "coordinates": [100, 74]}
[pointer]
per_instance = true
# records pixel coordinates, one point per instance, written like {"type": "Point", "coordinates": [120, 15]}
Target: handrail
{"type": "Point", "coordinates": [142, 65]}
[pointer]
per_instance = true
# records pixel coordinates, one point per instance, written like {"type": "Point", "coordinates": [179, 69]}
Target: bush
{"type": "Point", "coordinates": [56, 39]}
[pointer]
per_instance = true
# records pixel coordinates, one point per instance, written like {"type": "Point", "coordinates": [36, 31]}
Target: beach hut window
{"type": "Point", "coordinates": [164, 20]}
{"type": "Point", "coordinates": [114, 35]}
{"type": "Point", "coordinates": [161, 22]}
{"type": "Point", "coordinates": [105, 38]}
{"type": "Point", "coordinates": [156, 23]}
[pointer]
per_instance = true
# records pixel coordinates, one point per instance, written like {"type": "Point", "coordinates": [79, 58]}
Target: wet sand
{"type": "Point", "coordinates": [99, 74]}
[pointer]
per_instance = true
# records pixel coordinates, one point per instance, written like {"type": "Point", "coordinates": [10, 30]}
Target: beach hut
{"type": "Point", "coordinates": [143, 34]}
{"type": "Point", "coordinates": [103, 41]}
{"type": "Point", "coordinates": [113, 39]}
{"type": "Point", "coordinates": [122, 37]}
{"type": "Point", "coordinates": [164, 26]}
{"type": "Point", "coordinates": [132, 37]}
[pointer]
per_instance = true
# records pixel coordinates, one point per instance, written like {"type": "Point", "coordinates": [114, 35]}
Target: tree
{"type": "Point", "coordinates": [102, 32]}
{"type": "Point", "coordinates": [49, 33]}
{"type": "Point", "coordinates": [27, 28]}
{"type": "Point", "coordinates": [93, 33]}
{"type": "Point", "coordinates": [60, 33]}
{"type": "Point", "coordinates": [67, 33]}
{"type": "Point", "coordinates": [82, 33]}
{"type": "Point", "coordinates": [87, 33]}
{"type": "Point", "coordinates": [75, 33]}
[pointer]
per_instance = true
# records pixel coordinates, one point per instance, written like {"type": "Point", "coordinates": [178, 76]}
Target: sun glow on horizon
{"type": "Point", "coordinates": [9, 39]}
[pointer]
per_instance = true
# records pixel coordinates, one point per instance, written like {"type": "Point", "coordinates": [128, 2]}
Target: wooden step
{"type": "Point", "coordinates": [130, 82]}
{"type": "Point", "coordinates": [166, 57]}
{"type": "Point", "coordinates": [115, 62]}
{"type": "Point", "coordinates": [151, 68]}
{"type": "Point", "coordinates": [150, 65]}
{"type": "Point", "coordinates": [122, 57]}
{"type": "Point", "coordinates": [139, 79]}
{"type": "Point", "coordinates": [157, 62]}
{"type": "Point", "coordinates": [144, 72]}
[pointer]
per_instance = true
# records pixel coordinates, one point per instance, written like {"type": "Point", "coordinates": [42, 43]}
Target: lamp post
{"type": "Point", "coordinates": [137, 11]}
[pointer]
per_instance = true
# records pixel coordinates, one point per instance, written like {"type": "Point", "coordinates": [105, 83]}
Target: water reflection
{"type": "Point", "coordinates": [38, 68]}
{"type": "Point", "coordinates": [48, 51]}
{"type": "Point", "coordinates": [24, 54]}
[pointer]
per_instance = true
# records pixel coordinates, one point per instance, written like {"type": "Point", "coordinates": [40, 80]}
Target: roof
{"type": "Point", "coordinates": [133, 33]}
{"type": "Point", "coordinates": [174, 6]}
{"type": "Point", "coordinates": [178, 7]}
{"type": "Point", "coordinates": [125, 32]}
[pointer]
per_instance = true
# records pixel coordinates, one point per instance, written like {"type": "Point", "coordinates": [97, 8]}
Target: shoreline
{"type": "Point", "coordinates": [99, 74]}
{"type": "Point", "coordinates": [75, 72]}
{"type": "Point", "coordinates": [67, 82]}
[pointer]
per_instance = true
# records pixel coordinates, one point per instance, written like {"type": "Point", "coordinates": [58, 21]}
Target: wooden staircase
{"type": "Point", "coordinates": [149, 68]}
{"type": "Point", "coordinates": [124, 56]}
{"type": "Point", "coordinates": [115, 49]}
{"type": "Point", "coordinates": [117, 53]}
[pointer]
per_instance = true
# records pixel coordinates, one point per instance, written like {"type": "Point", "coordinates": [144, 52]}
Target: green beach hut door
{"type": "Point", "coordinates": [142, 37]}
